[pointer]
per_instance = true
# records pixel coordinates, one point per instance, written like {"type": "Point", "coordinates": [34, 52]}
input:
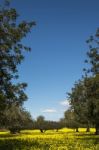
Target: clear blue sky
{"type": "Point", "coordinates": [58, 50]}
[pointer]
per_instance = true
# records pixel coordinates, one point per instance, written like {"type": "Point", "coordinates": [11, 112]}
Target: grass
{"type": "Point", "coordinates": [65, 139]}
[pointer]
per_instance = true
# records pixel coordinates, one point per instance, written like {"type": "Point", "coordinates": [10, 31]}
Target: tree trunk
{"type": "Point", "coordinates": [41, 130]}
{"type": "Point", "coordinates": [14, 130]}
{"type": "Point", "coordinates": [77, 130]}
{"type": "Point", "coordinates": [97, 130]}
{"type": "Point", "coordinates": [56, 130]}
{"type": "Point", "coordinates": [88, 129]}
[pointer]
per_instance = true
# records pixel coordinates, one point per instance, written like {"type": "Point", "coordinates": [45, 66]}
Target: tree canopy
{"type": "Point", "coordinates": [11, 55]}
{"type": "Point", "coordinates": [84, 96]}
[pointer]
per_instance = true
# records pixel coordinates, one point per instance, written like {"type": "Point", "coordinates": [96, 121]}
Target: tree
{"type": "Point", "coordinates": [92, 80]}
{"type": "Point", "coordinates": [11, 55]}
{"type": "Point", "coordinates": [44, 125]}
{"type": "Point", "coordinates": [40, 123]}
{"type": "Point", "coordinates": [62, 121]}
{"type": "Point", "coordinates": [54, 125]}
{"type": "Point", "coordinates": [17, 119]}
{"type": "Point", "coordinates": [71, 119]}
{"type": "Point", "coordinates": [78, 99]}
{"type": "Point", "coordinates": [84, 97]}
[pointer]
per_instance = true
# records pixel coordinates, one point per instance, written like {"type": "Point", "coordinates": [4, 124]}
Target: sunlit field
{"type": "Point", "coordinates": [64, 139]}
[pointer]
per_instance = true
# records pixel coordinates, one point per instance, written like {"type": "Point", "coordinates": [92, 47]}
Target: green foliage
{"type": "Point", "coordinates": [16, 119]}
{"type": "Point", "coordinates": [91, 81]}
{"type": "Point", "coordinates": [71, 119]}
{"type": "Point", "coordinates": [11, 55]}
{"type": "Point", "coordinates": [84, 96]}
{"type": "Point", "coordinates": [12, 94]}
{"type": "Point", "coordinates": [44, 125]}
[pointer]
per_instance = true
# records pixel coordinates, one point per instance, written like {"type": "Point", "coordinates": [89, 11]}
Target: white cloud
{"type": "Point", "coordinates": [49, 111]}
{"type": "Point", "coordinates": [65, 103]}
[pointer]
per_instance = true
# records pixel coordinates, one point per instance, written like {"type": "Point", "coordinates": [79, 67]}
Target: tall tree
{"type": "Point", "coordinates": [11, 55]}
{"type": "Point", "coordinates": [78, 101]}
{"type": "Point", "coordinates": [92, 80]}
{"type": "Point", "coordinates": [84, 97]}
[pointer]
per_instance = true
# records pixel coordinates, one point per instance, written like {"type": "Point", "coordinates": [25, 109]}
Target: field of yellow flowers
{"type": "Point", "coordinates": [64, 139]}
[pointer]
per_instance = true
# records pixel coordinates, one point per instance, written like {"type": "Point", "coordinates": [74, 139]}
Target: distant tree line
{"type": "Point", "coordinates": [43, 125]}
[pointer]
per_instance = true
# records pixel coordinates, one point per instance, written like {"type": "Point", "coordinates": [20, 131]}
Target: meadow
{"type": "Point", "coordinates": [64, 139]}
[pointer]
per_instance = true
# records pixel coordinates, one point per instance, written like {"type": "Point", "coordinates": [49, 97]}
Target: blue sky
{"type": "Point", "coordinates": [58, 50]}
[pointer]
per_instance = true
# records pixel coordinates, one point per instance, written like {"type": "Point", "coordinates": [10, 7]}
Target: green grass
{"type": "Point", "coordinates": [65, 139]}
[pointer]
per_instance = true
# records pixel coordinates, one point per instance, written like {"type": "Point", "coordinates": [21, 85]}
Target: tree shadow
{"type": "Point", "coordinates": [8, 135]}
